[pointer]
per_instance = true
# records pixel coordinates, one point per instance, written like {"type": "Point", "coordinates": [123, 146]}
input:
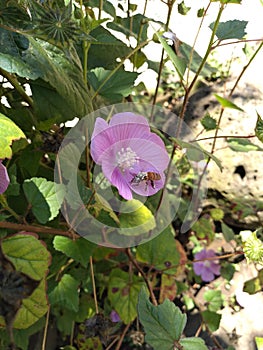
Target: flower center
{"type": "Point", "coordinates": [207, 263]}
{"type": "Point", "coordinates": [126, 158]}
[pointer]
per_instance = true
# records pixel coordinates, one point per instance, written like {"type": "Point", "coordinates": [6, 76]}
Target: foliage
{"type": "Point", "coordinates": [62, 61]}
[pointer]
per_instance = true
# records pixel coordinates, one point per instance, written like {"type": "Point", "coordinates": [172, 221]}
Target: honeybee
{"type": "Point", "coordinates": [147, 176]}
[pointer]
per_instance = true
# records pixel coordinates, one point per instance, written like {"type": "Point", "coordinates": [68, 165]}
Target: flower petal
{"type": "Point", "coordinates": [145, 188]}
{"type": "Point", "coordinates": [198, 267]}
{"type": "Point", "coordinates": [200, 255]}
{"type": "Point", "coordinates": [130, 118]}
{"type": "Point", "coordinates": [4, 178]}
{"type": "Point", "coordinates": [119, 181]}
{"type": "Point", "coordinates": [215, 268]}
{"type": "Point", "coordinates": [128, 130]}
{"type": "Point", "coordinates": [207, 275]}
{"type": "Point", "coordinates": [100, 140]}
{"type": "Point", "coordinates": [151, 153]}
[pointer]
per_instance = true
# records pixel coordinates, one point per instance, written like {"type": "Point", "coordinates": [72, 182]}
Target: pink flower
{"type": "Point", "coordinates": [4, 178]}
{"type": "Point", "coordinates": [127, 151]}
{"type": "Point", "coordinates": [207, 269]}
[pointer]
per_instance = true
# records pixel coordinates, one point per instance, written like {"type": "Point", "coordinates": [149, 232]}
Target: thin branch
{"type": "Point", "coordinates": [134, 262]}
{"type": "Point", "coordinates": [225, 137]}
{"type": "Point", "coordinates": [118, 346]}
{"type": "Point", "coordinates": [37, 229]}
{"type": "Point", "coordinates": [93, 284]}
{"type": "Point", "coordinates": [19, 88]}
{"type": "Point", "coordinates": [44, 341]}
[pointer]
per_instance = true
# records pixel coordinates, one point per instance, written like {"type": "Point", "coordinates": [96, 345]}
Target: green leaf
{"type": "Point", "coordinates": [65, 294]}
{"type": "Point", "coordinates": [227, 271]}
{"type": "Point", "coordinates": [106, 50]}
{"type": "Point", "coordinates": [124, 289]}
{"type": "Point", "coordinates": [60, 90]}
{"type": "Point", "coordinates": [198, 152]}
{"type": "Point", "coordinates": [178, 62]}
{"type": "Point", "coordinates": [137, 27]}
{"type": "Point", "coordinates": [30, 256]}
{"type": "Point", "coordinates": [213, 299]}
{"type": "Point", "coordinates": [200, 12]}
{"type": "Point", "coordinates": [227, 232]}
{"type": "Point", "coordinates": [117, 86]}
{"type": "Point", "coordinates": [8, 133]}
{"type": "Point", "coordinates": [259, 343]}
{"type": "Point", "coordinates": [12, 58]}
{"type": "Point", "coordinates": [160, 252]}
{"type": "Point", "coordinates": [254, 285]}
{"type": "Point", "coordinates": [242, 145]}
{"type": "Point", "coordinates": [212, 319]}
{"type": "Point", "coordinates": [163, 324]}
{"type": "Point", "coordinates": [204, 227]}
{"type": "Point", "coordinates": [196, 60]}
{"type": "Point", "coordinates": [45, 198]}
{"type": "Point", "coordinates": [225, 103]}
{"type": "Point", "coordinates": [183, 9]}
{"type": "Point", "coordinates": [259, 128]}
{"type": "Point", "coordinates": [208, 122]}
{"type": "Point", "coordinates": [230, 30]}
{"type": "Point", "coordinates": [193, 344]}
{"type": "Point", "coordinates": [135, 218]}
{"type": "Point", "coordinates": [217, 214]}
{"type": "Point", "coordinates": [80, 250]}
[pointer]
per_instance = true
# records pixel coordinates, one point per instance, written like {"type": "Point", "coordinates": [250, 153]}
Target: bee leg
{"type": "Point", "coordinates": [152, 184]}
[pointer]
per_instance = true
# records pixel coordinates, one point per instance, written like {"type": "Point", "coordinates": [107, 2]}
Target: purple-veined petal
{"type": "Point", "coordinates": [145, 188]}
{"type": "Point", "coordinates": [119, 181]}
{"type": "Point", "coordinates": [100, 140]}
{"type": "Point", "coordinates": [150, 153]}
{"type": "Point", "coordinates": [126, 147]}
{"type": "Point", "coordinates": [130, 118]}
{"type": "Point", "coordinates": [129, 130]}
{"type": "Point", "coordinates": [4, 178]}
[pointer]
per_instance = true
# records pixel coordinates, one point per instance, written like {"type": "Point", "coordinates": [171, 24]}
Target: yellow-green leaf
{"type": "Point", "coordinates": [9, 132]}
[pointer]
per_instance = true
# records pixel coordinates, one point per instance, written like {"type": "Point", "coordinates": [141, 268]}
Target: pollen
{"type": "Point", "coordinates": [126, 158]}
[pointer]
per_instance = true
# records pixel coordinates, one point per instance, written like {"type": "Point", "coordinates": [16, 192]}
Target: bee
{"type": "Point", "coordinates": [147, 176]}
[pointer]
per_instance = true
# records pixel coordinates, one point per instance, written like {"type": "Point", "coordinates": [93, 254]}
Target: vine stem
{"type": "Point", "coordinates": [44, 341]}
{"type": "Point", "coordinates": [37, 229]}
{"type": "Point", "coordinates": [225, 137]}
{"type": "Point", "coordinates": [118, 67]}
{"type": "Point", "coordinates": [118, 346]}
{"type": "Point", "coordinates": [170, 8]}
{"type": "Point", "coordinates": [13, 80]}
{"type": "Point", "coordinates": [93, 284]}
{"type": "Point", "coordinates": [135, 263]}
{"type": "Point", "coordinates": [6, 207]}
{"type": "Point", "coordinates": [222, 111]}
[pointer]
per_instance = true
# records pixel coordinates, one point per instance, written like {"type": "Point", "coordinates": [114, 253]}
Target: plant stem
{"type": "Point", "coordinates": [245, 68]}
{"type": "Point", "coordinates": [44, 341]}
{"type": "Point", "coordinates": [13, 80]}
{"type": "Point", "coordinates": [134, 262]}
{"type": "Point", "coordinates": [37, 229]}
{"type": "Point", "coordinates": [118, 67]}
{"type": "Point", "coordinates": [6, 207]}
{"type": "Point", "coordinates": [170, 8]}
{"type": "Point", "coordinates": [100, 9]}
{"type": "Point", "coordinates": [93, 284]}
